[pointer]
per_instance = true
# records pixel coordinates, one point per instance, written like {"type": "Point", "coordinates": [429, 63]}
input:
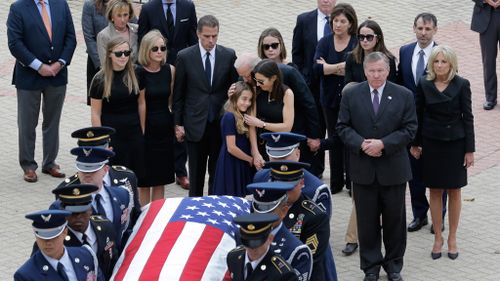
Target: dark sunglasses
{"type": "Point", "coordinates": [261, 82]}
{"type": "Point", "coordinates": [121, 53]}
{"type": "Point", "coordinates": [368, 37]}
{"type": "Point", "coordinates": [272, 45]}
{"type": "Point", "coordinates": [155, 48]}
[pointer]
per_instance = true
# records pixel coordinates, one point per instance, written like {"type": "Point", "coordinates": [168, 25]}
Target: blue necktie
{"type": "Point", "coordinates": [327, 30]}
{"type": "Point", "coordinates": [376, 101]}
{"type": "Point", "coordinates": [60, 271]}
{"type": "Point", "coordinates": [420, 66]}
{"type": "Point", "coordinates": [100, 207]}
{"type": "Point", "coordinates": [170, 22]}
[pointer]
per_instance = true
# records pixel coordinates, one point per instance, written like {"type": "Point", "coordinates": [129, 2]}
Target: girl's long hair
{"type": "Point", "coordinates": [231, 106]}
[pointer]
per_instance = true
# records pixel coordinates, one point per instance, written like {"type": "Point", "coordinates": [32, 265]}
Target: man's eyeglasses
{"type": "Point", "coordinates": [161, 48]}
{"type": "Point", "coordinates": [368, 37]}
{"type": "Point", "coordinates": [121, 53]}
{"type": "Point", "coordinates": [272, 45]}
{"type": "Point", "coordinates": [260, 82]}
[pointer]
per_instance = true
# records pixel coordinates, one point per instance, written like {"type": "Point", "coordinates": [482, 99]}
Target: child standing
{"type": "Point", "coordinates": [234, 166]}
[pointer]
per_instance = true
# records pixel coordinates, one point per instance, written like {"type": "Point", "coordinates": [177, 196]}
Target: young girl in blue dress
{"type": "Point", "coordinates": [234, 166]}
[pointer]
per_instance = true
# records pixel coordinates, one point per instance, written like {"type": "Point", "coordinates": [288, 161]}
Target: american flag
{"type": "Point", "coordinates": [181, 239]}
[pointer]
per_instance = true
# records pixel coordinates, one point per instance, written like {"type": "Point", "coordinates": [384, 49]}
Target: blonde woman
{"type": "Point", "coordinates": [445, 140]}
{"type": "Point", "coordinates": [118, 13]}
{"type": "Point", "coordinates": [156, 81]}
{"type": "Point", "coordinates": [115, 102]}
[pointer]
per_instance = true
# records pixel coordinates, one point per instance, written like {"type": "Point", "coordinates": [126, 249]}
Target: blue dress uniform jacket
{"type": "Point", "coordinates": [37, 268]}
{"type": "Point", "coordinates": [297, 254]}
{"type": "Point", "coordinates": [314, 189]}
{"type": "Point", "coordinates": [311, 225]}
{"type": "Point", "coordinates": [271, 267]}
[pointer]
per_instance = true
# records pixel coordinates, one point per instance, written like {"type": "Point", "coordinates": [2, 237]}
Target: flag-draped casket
{"type": "Point", "coordinates": [181, 239]}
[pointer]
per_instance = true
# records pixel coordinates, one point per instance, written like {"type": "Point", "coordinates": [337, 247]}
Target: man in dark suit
{"type": "Point", "coordinates": [204, 73]}
{"type": "Point", "coordinates": [486, 21]}
{"type": "Point", "coordinates": [413, 59]}
{"type": "Point", "coordinates": [176, 20]}
{"type": "Point", "coordinates": [309, 29]}
{"type": "Point", "coordinates": [377, 121]}
{"type": "Point", "coordinates": [41, 37]}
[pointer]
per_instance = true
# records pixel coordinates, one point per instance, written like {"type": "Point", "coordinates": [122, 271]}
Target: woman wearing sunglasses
{"type": "Point", "coordinates": [371, 39]}
{"type": "Point", "coordinates": [115, 102]}
{"type": "Point", "coordinates": [330, 67]}
{"type": "Point", "coordinates": [271, 46]}
{"type": "Point", "coordinates": [118, 13]}
{"type": "Point", "coordinates": [156, 81]}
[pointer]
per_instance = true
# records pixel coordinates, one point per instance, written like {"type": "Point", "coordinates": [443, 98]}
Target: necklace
{"type": "Point", "coordinates": [156, 69]}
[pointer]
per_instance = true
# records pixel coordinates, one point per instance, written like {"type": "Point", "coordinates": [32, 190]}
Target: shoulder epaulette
{"type": "Point", "coordinates": [98, 218]}
{"type": "Point", "coordinates": [280, 264]}
{"type": "Point", "coordinates": [237, 249]}
{"type": "Point", "coordinates": [311, 206]}
{"type": "Point", "coordinates": [71, 180]}
{"type": "Point", "coordinates": [120, 168]}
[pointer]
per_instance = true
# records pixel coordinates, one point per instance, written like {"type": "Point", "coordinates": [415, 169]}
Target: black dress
{"type": "Point", "coordinates": [269, 111]}
{"type": "Point", "coordinates": [120, 111]}
{"type": "Point", "coordinates": [159, 131]}
{"type": "Point", "coordinates": [445, 132]}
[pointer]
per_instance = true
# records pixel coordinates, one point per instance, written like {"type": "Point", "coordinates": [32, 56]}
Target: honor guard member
{"type": "Point", "coordinates": [306, 220]}
{"type": "Point", "coordinates": [117, 175]}
{"type": "Point", "coordinates": [253, 261]}
{"type": "Point", "coordinates": [285, 146]}
{"type": "Point", "coordinates": [111, 202]}
{"type": "Point", "coordinates": [87, 229]}
{"type": "Point", "coordinates": [54, 261]}
{"type": "Point", "coordinates": [271, 197]}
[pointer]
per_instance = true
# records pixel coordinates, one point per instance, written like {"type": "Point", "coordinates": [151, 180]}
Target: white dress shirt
{"type": "Point", "coordinates": [203, 53]}
{"type": "Point", "coordinates": [66, 262]}
{"type": "Point", "coordinates": [320, 30]}
{"type": "Point", "coordinates": [416, 56]}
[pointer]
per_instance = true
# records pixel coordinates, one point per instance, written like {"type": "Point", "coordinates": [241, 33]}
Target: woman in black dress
{"type": "Point", "coordinates": [329, 59]}
{"type": "Point", "coordinates": [274, 105]}
{"type": "Point", "coordinates": [445, 140]}
{"type": "Point", "coordinates": [156, 80]}
{"type": "Point", "coordinates": [115, 102]}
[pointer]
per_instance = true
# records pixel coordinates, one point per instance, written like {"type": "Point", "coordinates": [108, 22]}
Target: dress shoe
{"type": "Point", "coordinates": [417, 224]}
{"type": "Point", "coordinates": [453, 256]}
{"type": "Point", "coordinates": [350, 248]}
{"type": "Point", "coordinates": [370, 277]}
{"type": "Point", "coordinates": [489, 105]}
{"type": "Point", "coordinates": [183, 182]}
{"type": "Point", "coordinates": [55, 171]}
{"type": "Point", "coordinates": [436, 256]}
{"type": "Point", "coordinates": [432, 228]}
{"type": "Point", "coordinates": [30, 176]}
{"type": "Point", "coordinates": [394, 276]}
{"type": "Point", "coordinates": [336, 189]}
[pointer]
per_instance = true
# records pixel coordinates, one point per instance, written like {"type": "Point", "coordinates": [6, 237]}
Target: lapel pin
{"type": "Point", "coordinates": [389, 98]}
{"type": "Point", "coordinates": [77, 260]}
{"type": "Point", "coordinates": [263, 267]}
{"type": "Point", "coordinates": [86, 267]}
{"type": "Point", "coordinates": [45, 268]}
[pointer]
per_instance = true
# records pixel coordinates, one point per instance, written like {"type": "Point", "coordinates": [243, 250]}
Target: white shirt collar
{"type": "Point", "coordinates": [427, 51]}
{"type": "Point", "coordinates": [380, 90]}
{"type": "Point", "coordinates": [91, 236]}
{"type": "Point", "coordinates": [255, 262]}
{"type": "Point", "coordinates": [64, 260]}
{"type": "Point", "coordinates": [203, 51]}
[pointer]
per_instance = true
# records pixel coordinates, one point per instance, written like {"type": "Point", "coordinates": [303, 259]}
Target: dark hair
{"type": "Point", "coordinates": [100, 6]}
{"type": "Point", "coordinates": [358, 52]}
{"type": "Point", "coordinates": [269, 68]}
{"type": "Point", "coordinates": [208, 21]}
{"type": "Point", "coordinates": [426, 17]}
{"type": "Point", "coordinates": [348, 11]}
{"type": "Point", "coordinates": [273, 32]}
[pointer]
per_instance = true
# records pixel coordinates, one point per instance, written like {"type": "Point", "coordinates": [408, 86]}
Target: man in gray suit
{"type": "Point", "coordinates": [377, 120]}
{"type": "Point", "coordinates": [486, 21]}
{"type": "Point", "coordinates": [204, 73]}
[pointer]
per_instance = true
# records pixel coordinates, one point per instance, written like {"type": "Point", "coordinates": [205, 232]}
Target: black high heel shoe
{"type": "Point", "coordinates": [438, 255]}
{"type": "Point", "coordinates": [453, 256]}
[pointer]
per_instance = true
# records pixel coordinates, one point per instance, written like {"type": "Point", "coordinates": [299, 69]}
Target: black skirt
{"type": "Point", "coordinates": [443, 163]}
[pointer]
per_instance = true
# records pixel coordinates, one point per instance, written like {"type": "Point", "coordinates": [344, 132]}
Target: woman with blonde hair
{"type": "Point", "coordinates": [156, 81]}
{"type": "Point", "coordinates": [445, 140]}
{"type": "Point", "coordinates": [115, 102]}
{"type": "Point", "coordinates": [118, 13]}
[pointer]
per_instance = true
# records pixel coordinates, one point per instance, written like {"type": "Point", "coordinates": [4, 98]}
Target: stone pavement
{"type": "Point", "coordinates": [241, 24]}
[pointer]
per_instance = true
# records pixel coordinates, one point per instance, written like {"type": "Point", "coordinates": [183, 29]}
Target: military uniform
{"type": "Point", "coordinates": [272, 267]}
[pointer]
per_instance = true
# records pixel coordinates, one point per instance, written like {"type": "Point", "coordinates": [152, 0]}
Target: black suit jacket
{"type": "Point", "coordinates": [304, 42]}
{"type": "Point", "coordinates": [153, 17]}
{"type": "Point", "coordinates": [306, 120]}
{"type": "Point", "coordinates": [28, 40]}
{"type": "Point", "coordinates": [395, 125]}
{"type": "Point", "coordinates": [271, 268]}
{"type": "Point", "coordinates": [480, 16]}
{"type": "Point", "coordinates": [445, 115]}
{"type": "Point", "coordinates": [193, 95]}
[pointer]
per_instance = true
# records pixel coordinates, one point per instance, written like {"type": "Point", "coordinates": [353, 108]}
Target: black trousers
{"type": "Point", "coordinates": [339, 161]}
{"type": "Point", "coordinates": [180, 154]}
{"type": "Point", "coordinates": [490, 41]}
{"type": "Point", "coordinates": [198, 153]}
{"type": "Point", "coordinates": [381, 216]}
